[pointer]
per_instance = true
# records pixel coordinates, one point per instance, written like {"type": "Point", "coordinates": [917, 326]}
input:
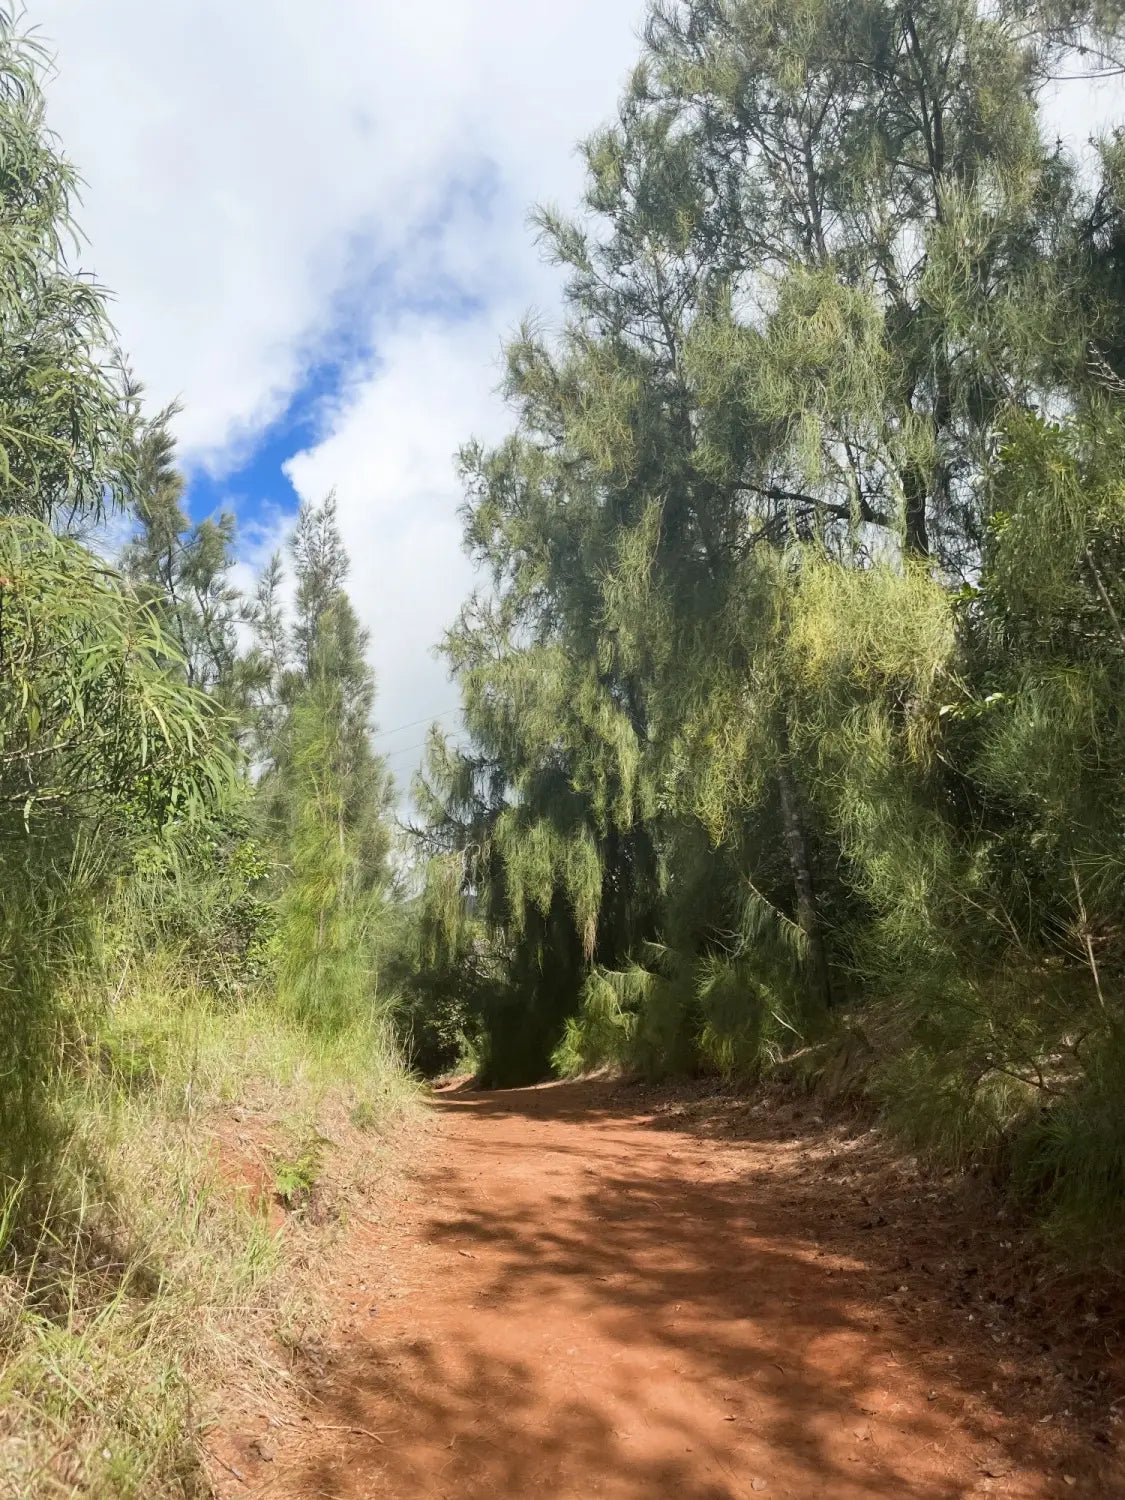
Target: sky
{"type": "Point", "coordinates": [314, 221]}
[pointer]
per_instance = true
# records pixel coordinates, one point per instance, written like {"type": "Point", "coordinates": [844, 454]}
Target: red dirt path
{"type": "Point", "coordinates": [577, 1304]}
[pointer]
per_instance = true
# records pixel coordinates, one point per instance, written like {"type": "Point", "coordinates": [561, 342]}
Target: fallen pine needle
{"type": "Point", "coordinates": [238, 1474]}
{"type": "Point", "coordinates": [343, 1427]}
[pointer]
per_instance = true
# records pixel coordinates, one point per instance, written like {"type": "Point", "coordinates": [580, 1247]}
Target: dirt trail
{"type": "Point", "coordinates": [578, 1304]}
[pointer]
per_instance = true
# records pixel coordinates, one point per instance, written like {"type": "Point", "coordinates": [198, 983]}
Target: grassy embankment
{"type": "Point", "coordinates": [206, 1156]}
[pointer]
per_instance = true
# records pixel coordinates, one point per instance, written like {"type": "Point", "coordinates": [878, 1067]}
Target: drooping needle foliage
{"type": "Point", "coordinates": [793, 690]}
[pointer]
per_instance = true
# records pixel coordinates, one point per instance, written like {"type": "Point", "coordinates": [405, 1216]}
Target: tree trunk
{"type": "Point", "coordinates": [915, 493]}
{"type": "Point", "coordinates": [808, 918]}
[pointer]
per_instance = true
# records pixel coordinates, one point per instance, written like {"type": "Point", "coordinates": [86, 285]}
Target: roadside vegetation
{"type": "Point", "coordinates": [198, 1070]}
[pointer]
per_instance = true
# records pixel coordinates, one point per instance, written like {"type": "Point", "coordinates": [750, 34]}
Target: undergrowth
{"type": "Point", "coordinates": [1035, 1110]}
{"type": "Point", "coordinates": [160, 1250]}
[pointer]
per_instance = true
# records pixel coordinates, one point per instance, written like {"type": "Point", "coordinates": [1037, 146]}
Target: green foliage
{"type": "Point", "coordinates": [99, 746]}
{"type": "Point", "coordinates": [89, 717]}
{"type": "Point", "coordinates": [128, 1293]}
{"type": "Point", "coordinates": [325, 793]}
{"type": "Point", "coordinates": [295, 1176]}
{"type": "Point", "coordinates": [199, 891]}
{"type": "Point", "coordinates": [183, 569]}
{"type": "Point", "coordinates": [65, 412]}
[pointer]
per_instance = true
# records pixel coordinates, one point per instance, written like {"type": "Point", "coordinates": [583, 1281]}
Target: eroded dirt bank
{"type": "Point", "coordinates": [586, 1296]}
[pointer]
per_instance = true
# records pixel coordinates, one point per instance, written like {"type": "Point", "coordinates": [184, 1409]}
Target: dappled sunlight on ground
{"type": "Point", "coordinates": [578, 1304]}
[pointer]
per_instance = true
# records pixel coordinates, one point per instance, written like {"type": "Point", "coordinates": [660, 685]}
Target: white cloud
{"type": "Point", "coordinates": [267, 177]}
{"type": "Point", "coordinates": [243, 159]}
{"type": "Point", "coordinates": [389, 457]}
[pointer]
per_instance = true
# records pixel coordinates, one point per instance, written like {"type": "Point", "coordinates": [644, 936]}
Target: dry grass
{"type": "Point", "coordinates": [171, 1252]}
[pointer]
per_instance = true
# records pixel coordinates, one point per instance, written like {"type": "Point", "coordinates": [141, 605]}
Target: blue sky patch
{"type": "Point", "coordinates": [254, 484]}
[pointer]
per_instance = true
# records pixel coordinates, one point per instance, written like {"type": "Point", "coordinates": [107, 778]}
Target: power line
{"type": "Point", "coordinates": [402, 750]}
{"type": "Point", "coordinates": [413, 723]}
{"type": "Point", "coordinates": [408, 749]}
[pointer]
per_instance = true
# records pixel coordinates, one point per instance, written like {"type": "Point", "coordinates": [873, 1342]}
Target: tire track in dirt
{"type": "Point", "coordinates": [575, 1305]}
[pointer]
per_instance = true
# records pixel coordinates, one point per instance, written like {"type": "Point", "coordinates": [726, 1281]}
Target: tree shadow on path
{"type": "Point", "coordinates": [593, 1307]}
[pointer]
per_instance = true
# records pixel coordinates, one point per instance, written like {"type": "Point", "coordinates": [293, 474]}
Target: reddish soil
{"type": "Point", "coordinates": [587, 1293]}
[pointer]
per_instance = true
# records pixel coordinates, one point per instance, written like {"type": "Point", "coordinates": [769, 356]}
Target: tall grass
{"type": "Point", "coordinates": [151, 1260]}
